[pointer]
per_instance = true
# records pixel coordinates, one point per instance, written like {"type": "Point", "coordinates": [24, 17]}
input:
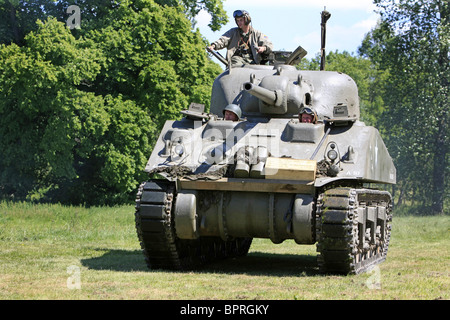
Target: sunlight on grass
{"type": "Point", "coordinates": [45, 247]}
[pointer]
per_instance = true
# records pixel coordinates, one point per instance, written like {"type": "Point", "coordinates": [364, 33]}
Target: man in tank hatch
{"type": "Point", "coordinates": [245, 44]}
{"type": "Point", "coordinates": [307, 115]}
{"type": "Point", "coordinates": [232, 112]}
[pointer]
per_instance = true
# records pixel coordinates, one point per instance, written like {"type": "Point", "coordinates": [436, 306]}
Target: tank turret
{"type": "Point", "coordinates": [281, 92]}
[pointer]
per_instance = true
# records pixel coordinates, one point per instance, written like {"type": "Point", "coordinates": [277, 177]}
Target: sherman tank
{"type": "Point", "coordinates": [216, 184]}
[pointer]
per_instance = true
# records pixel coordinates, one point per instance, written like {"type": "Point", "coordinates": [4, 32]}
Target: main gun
{"type": "Point", "coordinates": [269, 97]}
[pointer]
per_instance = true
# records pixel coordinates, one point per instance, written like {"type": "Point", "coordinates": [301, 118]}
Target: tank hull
{"type": "Point", "coordinates": [208, 148]}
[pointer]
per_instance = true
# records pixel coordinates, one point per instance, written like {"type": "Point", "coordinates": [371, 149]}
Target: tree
{"type": "Point", "coordinates": [18, 18]}
{"type": "Point", "coordinates": [52, 131]}
{"type": "Point", "coordinates": [154, 59]}
{"type": "Point", "coordinates": [193, 7]}
{"type": "Point", "coordinates": [81, 109]}
{"type": "Point", "coordinates": [411, 42]}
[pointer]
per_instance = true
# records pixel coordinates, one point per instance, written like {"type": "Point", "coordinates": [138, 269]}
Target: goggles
{"type": "Point", "coordinates": [308, 111]}
{"type": "Point", "coordinates": [238, 13]}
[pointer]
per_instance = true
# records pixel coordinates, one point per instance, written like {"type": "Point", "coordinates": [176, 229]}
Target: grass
{"type": "Point", "coordinates": [46, 250]}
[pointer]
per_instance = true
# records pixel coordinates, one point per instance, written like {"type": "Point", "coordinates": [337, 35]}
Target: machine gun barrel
{"type": "Point", "coordinates": [218, 56]}
{"type": "Point", "coordinates": [325, 16]}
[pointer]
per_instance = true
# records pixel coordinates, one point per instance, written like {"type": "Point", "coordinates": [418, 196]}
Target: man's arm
{"type": "Point", "coordinates": [223, 41]}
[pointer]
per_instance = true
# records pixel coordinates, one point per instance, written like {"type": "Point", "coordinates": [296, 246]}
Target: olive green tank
{"type": "Point", "coordinates": [216, 184]}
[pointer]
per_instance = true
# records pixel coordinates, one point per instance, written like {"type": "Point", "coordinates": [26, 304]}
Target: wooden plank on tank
{"type": "Point", "coordinates": [249, 185]}
{"type": "Point", "coordinates": [290, 169]}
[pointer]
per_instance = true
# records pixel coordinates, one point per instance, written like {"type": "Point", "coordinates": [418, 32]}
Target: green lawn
{"type": "Point", "coordinates": [59, 252]}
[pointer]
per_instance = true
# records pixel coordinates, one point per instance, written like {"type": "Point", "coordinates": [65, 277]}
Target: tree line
{"type": "Point", "coordinates": [411, 44]}
{"type": "Point", "coordinates": [80, 109]}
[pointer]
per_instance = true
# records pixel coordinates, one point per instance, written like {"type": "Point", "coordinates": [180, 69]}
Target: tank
{"type": "Point", "coordinates": [216, 184]}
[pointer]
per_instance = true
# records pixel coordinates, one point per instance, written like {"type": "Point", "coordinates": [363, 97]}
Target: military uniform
{"type": "Point", "coordinates": [242, 48]}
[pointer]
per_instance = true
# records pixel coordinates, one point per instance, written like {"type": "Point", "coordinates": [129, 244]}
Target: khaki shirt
{"type": "Point", "coordinates": [230, 40]}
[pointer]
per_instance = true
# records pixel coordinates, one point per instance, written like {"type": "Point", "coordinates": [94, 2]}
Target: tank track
{"type": "Point", "coordinates": [157, 235]}
{"type": "Point", "coordinates": [347, 241]}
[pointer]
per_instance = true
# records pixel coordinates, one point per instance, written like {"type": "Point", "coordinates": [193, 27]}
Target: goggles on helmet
{"type": "Point", "coordinates": [238, 13]}
{"type": "Point", "coordinates": [308, 111]}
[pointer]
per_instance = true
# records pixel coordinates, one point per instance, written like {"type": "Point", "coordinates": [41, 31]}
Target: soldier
{"type": "Point", "coordinates": [245, 45]}
{"type": "Point", "coordinates": [232, 112]}
{"type": "Point", "coordinates": [307, 115]}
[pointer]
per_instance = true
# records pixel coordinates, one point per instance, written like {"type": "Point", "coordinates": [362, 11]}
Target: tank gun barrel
{"type": "Point", "coordinates": [267, 96]}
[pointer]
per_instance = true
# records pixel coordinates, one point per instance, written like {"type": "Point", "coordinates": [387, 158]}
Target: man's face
{"type": "Point", "coordinates": [240, 21]}
{"type": "Point", "coordinates": [306, 118]}
{"type": "Point", "coordinates": [230, 116]}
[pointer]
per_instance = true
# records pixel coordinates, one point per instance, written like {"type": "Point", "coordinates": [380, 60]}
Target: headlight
{"type": "Point", "coordinates": [179, 150]}
{"type": "Point", "coordinates": [332, 155]}
{"type": "Point", "coordinates": [333, 152]}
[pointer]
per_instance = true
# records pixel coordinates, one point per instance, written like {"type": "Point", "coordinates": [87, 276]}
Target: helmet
{"type": "Point", "coordinates": [242, 13]}
{"type": "Point", "coordinates": [233, 108]}
{"type": "Point", "coordinates": [309, 111]}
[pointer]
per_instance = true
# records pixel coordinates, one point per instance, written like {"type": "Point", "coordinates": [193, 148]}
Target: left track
{"type": "Point", "coordinates": [353, 228]}
{"type": "Point", "coordinates": [157, 235]}
{"type": "Point", "coordinates": [154, 224]}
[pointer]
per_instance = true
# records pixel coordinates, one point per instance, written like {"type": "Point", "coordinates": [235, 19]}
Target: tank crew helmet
{"type": "Point", "coordinates": [233, 108]}
{"type": "Point", "coordinates": [309, 111]}
{"type": "Point", "coordinates": [242, 13]}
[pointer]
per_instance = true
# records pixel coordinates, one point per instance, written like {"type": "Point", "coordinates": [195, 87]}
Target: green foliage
{"type": "Point", "coordinates": [411, 44]}
{"type": "Point", "coordinates": [18, 18]}
{"type": "Point", "coordinates": [162, 68]}
{"type": "Point", "coordinates": [38, 113]}
{"type": "Point", "coordinates": [80, 110]}
{"type": "Point", "coordinates": [402, 77]}
{"type": "Point", "coordinates": [193, 7]}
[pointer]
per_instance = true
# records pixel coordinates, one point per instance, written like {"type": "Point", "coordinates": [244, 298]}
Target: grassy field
{"type": "Point", "coordinates": [58, 252]}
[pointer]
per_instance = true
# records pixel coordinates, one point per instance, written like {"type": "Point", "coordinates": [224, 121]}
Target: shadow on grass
{"type": "Point", "coordinates": [267, 264]}
{"type": "Point", "coordinates": [117, 260]}
{"type": "Point", "coordinates": [255, 263]}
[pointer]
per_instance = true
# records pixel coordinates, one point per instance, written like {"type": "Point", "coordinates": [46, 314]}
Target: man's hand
{"type": "Point", "coordinates": [261, 49]}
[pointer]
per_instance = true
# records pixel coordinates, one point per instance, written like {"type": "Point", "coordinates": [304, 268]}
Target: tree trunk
{"type": "Point", "coordinates": [14, 27]}
{"type": "Point", "coordinates": [441, 147]}
{"type": "Point", "coordinates": [439, 166]}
